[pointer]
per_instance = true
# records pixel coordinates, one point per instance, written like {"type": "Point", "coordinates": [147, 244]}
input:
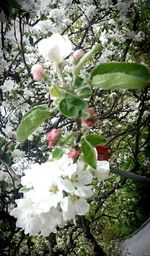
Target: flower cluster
{"type": "Point", "coordinates": [55, 192]}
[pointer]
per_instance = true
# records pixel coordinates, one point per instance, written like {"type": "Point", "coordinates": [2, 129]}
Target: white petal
{"type": "Point", "coordinates": [34, 226]}
{"type": "Point", "coordinates": [68, 209]}
{"type": "Point", "coordinates": [67, 186]}
{"type": "Point", "coordinates": [102, 171]}
{"type": "Point", "coordinates": [84, 191]}
{"type": "Point", "coordinates": [85, 177]}
{"type": "Point", "coordinates": [81, 206]}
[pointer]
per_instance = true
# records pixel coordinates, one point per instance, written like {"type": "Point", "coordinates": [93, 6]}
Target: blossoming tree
{"type": "Point", "coordinates": [70, 106]}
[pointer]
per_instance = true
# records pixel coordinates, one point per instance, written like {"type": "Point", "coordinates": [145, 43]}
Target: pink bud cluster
{"type": "Point", "coordinates": [92, 119]}
{"type": "Point", "coordinates": [53, 137]}
{"type": "Point", "coordinates": [74, 153]}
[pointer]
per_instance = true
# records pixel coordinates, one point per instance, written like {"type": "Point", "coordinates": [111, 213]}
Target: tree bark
{"type": "Point", "coordinates": [96, 248]}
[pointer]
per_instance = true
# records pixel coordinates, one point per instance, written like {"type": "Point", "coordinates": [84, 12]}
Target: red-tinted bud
{"type": "Point", "coordinates": [102, 153]}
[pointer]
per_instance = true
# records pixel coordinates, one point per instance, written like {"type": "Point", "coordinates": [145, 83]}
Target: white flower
{"type": "Point", "coordinates": [54, 192]}
{"type": "Point", "coordinates": [34, 223]}
{"type": "Point", "coordinates": [84, 191]}
{"type": "Point", "coordinates": [56, 48]}
{"type": "Point", "coordinates": [102, 170]}
{"type": "Point", "coordinates": [73, 205]}
{"type": "Point", "coordinates": [26, 218]}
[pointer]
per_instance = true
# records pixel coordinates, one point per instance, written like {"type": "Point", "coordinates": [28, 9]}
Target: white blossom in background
{"type": "Point", "coordinates": [17, 155]}
{"type": "Point", "coordinates": [106, 3]}
{"type": "Point", "coordinates": [122, 8]}
{"type": "Point", "coordinates": [9, 130]}
{"type": "Point", "coordinates": [4, 176]}
{"type": "Point", "coordinates": [44, 26]}
{"type": "Point", "coordinates": [30, 5]}
{"type": "Point", "coordinates": [3, 111]}
{"type": "Point", "coordinates": [55, 192]}
{"type": "Point", "coordinates": [8, 85]}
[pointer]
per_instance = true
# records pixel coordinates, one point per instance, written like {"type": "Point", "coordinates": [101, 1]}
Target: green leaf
{"type": "Point", "coordinates": [31, 121]}
{"type": "Point", "coordinates": [88, 153]}
{"type": "Point", "coordinates": [57, 153]}
{"type": "Point", "coordinates": [78, 82]}
{"type": "Point", "coordinates": [72, 106]}
{"type": "Point", "coordinates": [54, 91]}
{"type": "Point", "coordinates": [120, 76]}
{"type": "Point", "coordinates": [85, 92]}
{"type": "Point", "coordinates": [82, 88]}
{"type": "Point", "coordinates": [95, 139]}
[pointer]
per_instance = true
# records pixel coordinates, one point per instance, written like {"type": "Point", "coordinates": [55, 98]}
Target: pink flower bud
{"type": "Point", "coordinates": [91, 112]}
{"type": "Point", "coordinates": [73, 153]}
{"type": "Point", "coordinates": [88, 122]}
{"type": "Point", "coordinates": [38, 72]}
{"type": "Point", "coordinates": [92, 119]}
{"type": "Point", "coordinates": [78, 54]}
{"type": "Point", "coordinates": [53, 137]}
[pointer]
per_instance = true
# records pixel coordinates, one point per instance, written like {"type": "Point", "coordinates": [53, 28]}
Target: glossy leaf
{"type": "Point", "coordinates": [85, 92]}
{"type": "Point", "coordinates": [120, 76]}
{"type": "Point", "coordinates": [89, 153]}
{"type": "Point", "coordinates": [78, 82]}
{"type": "Point", "coordinates": [31, 121]}
{"type": "Point", "coordinates": [95, 139]}
{"type": "Point", "coordinates": [73, 106]}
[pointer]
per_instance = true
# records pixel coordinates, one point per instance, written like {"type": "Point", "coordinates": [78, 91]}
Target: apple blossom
{"type": "Point", "coordinates": [73, 206]}
{"type": "Point", "coordinates": [55, 192]}
{"type": "Point", "coordinates": [102, 170]}
{"type": "Point", "coordinates": [55, 48]}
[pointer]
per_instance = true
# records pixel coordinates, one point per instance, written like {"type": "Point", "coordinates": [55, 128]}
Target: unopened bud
{"type": "Point", "coordinates": [38, 72]}
{"type": "Point", "coordinates": [53, 137]}
{"type": "Point", "coordinates": [73, 153]}
{"type": "Point", "coordinates": [92, 118]}
{"type": "Point", "coordinates": [77, 55]}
